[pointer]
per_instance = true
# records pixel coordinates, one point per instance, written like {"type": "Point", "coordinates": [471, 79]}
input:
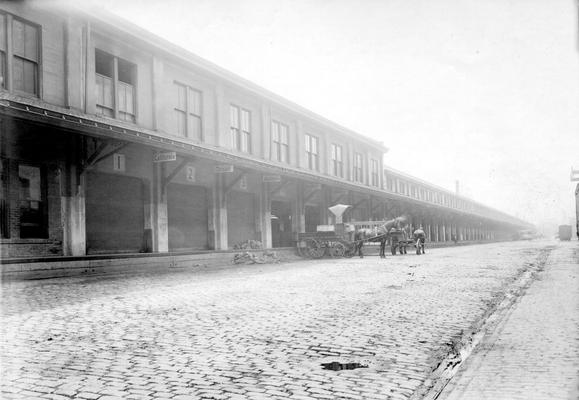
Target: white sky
{"type": "Point", "coordinates": [481, 91]}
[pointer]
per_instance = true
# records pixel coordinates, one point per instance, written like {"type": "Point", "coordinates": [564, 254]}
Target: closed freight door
{"type": "Point", "coordinates": [187, 214]}
{"type": "Point", "coordinates": [240, 217]}
{"type": "Point", "coordinates": [114, 213]}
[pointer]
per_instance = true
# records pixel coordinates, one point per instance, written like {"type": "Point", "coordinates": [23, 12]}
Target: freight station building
{"type": "Point", "coordinates": [114, 141]}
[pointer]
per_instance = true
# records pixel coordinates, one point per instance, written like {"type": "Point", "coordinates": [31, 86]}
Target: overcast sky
{"type": "Point", "coordinates": [481, 91]}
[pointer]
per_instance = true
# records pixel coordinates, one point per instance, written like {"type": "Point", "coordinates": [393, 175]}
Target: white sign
{"type": "Point", "coordinates": [223, 168]}
{"type": "Point", "coordinates": [243, 183]}
{"type": "Point", "coordinates": [190, 172]}
{"type": "Point", "coordinates": [165, 156]}
{"type": "Point", "coordinates": [272, 178]}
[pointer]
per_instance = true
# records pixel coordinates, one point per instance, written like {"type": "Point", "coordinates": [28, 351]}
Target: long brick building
{"type": "Point", "coordinates": [114, 140]}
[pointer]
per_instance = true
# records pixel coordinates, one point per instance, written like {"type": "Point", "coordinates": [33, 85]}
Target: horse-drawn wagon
{"type": "Point", "coordinates": [346, 240]}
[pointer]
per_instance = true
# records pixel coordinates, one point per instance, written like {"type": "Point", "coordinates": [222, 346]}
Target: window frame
{"type": "Point", "coordinates": [189, 113]}
{"type": "Point", "coordinates": [240, 139]}
{"type": "Point", "coordinates": [44, 228]}
{"type": "Point", "coordinates": [312, 152]}
{"type": "Point", "coordinates": [117, 113]}
{"type": "Point", "coordinates": [337, 162]}
{"type": "Point", "coordinates": [9, 56]}
{"type": "Point", "coordinates": [280, 148]}
{"type": "Point", "coordinates": [358, 167]}
{"type": "Point", "coordinates": [374, 177]}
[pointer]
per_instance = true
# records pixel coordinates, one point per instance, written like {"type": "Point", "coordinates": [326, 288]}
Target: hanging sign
{"type": "Point", "coordinates": [223, 168]}
{"type": "Point", "coordinates": [163, 156]}
{"type": "Point", "coordinates": [272, 178]}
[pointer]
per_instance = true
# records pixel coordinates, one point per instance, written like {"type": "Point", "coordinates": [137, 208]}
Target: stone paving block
{"type": "Point", "coordinates": [238, 331]}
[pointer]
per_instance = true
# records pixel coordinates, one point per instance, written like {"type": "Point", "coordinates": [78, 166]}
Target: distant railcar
{"type": "Point", "coordinates": [565, 232]}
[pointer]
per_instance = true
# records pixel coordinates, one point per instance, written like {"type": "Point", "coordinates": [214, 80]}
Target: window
{"type": "Point", "coordinates": [280, 145]}
{"type": "Point", "coordinates": [374, 177]}
{"type": "Point", "coordinates": [188, 111]}
{"type": "Point", "coordinates": [240, 129]}
{"type": "Point", "coordinates": [337, 161]}
{"type": "Point", "coordinates": [33, 221]}
{"type": "Point", "coordinates": [115, 76]}
{"type": "Point", "coordinates": [4, 208]}
{"type": "Point", "coordinates": [312, 152]}
{"type": "Point", "coordinates": [358, 171]}
{"type": "Point", "coordinates": [23, 53]}
{"type": "Point", "coordinates": [2, 50]}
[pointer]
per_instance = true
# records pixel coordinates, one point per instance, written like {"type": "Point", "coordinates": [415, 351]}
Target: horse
{"type": "Point", "coordinates": [378, 234]}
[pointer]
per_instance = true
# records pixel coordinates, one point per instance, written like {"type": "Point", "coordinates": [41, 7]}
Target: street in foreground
{"type": "Point", "coordinates": [534, 352]}
{"type": "Point", "coordinates": [260, 332]}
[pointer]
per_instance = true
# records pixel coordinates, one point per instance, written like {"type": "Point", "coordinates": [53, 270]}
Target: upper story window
{"type": "Point", "coordinates": [358, 170]}
{"type": "Point", "coordinates": [23, 53]}
{"type": "Point", "coordinates": [312, 154]}
{"type": "Point", "coordinates": [240, 129]}
{"type": "Point", "coordinates": [188, 111]}
{"type": "Point", "coordinates": [374, 173]}
{"type": "Point", "coordinates": [337, 161]}
{"type": "Point", "coordinates": [115, 86]}
{"type": "Point", "coordinates": [280, 142]}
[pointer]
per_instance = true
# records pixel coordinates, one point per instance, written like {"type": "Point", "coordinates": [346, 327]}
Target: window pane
{"type": "Point", "coordinates": [125, 98]}
{"type": "Point", "coordinates": [314, 145]}
{"type": "Point", "coordinates": [195, 131]}
{"type": "Point", "coordinates": [126, 72]}
{"type": "Point", "coordinates": [275, 131]}
{"type": "Point", "coordinates": [29, 77]}
{"type": "Point", "coordinates": [234, 138]}
{"type": "Point", "coordinates": [181, 95]}
{"type": "Point", "coordinates": [245, 142]}
{"type": "Point", "coordinates": [308, 138]}
{"type": "Point", "coordinates": [31, 42]}
{"type": "Point", "coordinates": [103, 64]}
{"type": "Point", "coordinates": [284, 135]}
{"type": "Point", "coordinates": [245, 120]}
{"type": "Point", "coordinates": [25, 75]}
{"type": "Point", "coordinates": [2, 32]}
{"type": "Point", "coordinates": [195, 107]}
{"type": "Point", "coordinates": [18, 37]}
{"type": "Point", "coordinates": [18, 73]}
{"type": "Point", "coordinates": [2, 69]}
{"type": "Point", "coordinates": [234, 116]}
{"type": "Point", "coordinates": [181, 123]}
{"type": "Point", "coordinates": [122, 98]}
{"type": "Point", "coordinates": [31, 199]}
{"type": "Point", "coordinates": [104, 88]}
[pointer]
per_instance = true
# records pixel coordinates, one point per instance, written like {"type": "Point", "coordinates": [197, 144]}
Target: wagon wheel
{"type": "Point", "coordinates": [303, 249]}
{"type": "Point", "coordinates": [350, 250]}
{"type": "Point", "coordinates": [337, 250]}
{"type": "Point", "coordinates": [315, 249]}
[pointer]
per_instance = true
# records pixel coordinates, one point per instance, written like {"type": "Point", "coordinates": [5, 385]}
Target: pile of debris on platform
{"type": "Point", "coordinates": [248, 244]}
{"type": "Point", "coordinates": [266, 257]}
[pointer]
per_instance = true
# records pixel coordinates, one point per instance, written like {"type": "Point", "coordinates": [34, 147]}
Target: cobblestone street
{"type": "Point", "coordinates": [534, 352]}
{"type": "Point", "coordinates": [259, 332]}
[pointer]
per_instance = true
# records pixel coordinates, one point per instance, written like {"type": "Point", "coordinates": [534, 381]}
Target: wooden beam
{"type": "Point", "coordinates": [178, 168]}
{"type": "Point", "coordinates": [311, 194]}
{"type": "Point", "coordinates": [340, 197]}
{"type": "Point", "coordinates": [92, 158]}
{"type": "Point", "coordinates": [110, 153]}
{"type": "Point", "coordinates": [235, 181]}
{"type": "Point", "coordinates": [280, 187]}
{"type": "Point", "coordinates": [354, 206]}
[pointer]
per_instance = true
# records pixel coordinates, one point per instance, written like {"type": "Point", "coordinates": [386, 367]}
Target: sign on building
{"type": "Point", "coordinates": [223, 168]}
{"type": "Point", "coordinates": [272, 178]}
{"type": "Point", "coordinates": [190, 172]}
{"type": "Point", "coordinates": [163, 156]}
